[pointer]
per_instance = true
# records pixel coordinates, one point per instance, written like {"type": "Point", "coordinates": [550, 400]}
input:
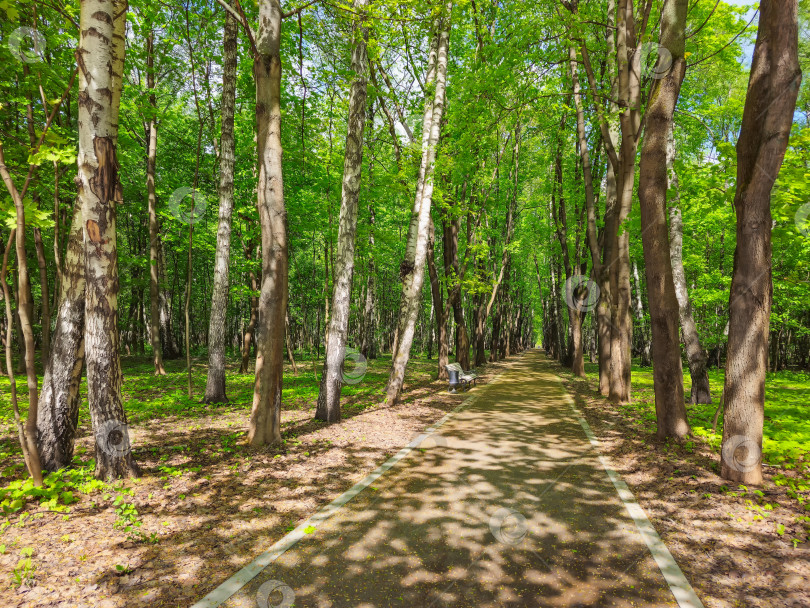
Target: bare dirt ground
{"type": "Point", "coordinates": [724, 536]}
{"type": "Point", "coordinates": [211, 503]}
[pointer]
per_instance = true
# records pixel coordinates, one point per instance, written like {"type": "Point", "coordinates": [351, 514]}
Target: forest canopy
{"type": "Point", "coordinates": [254, 185]}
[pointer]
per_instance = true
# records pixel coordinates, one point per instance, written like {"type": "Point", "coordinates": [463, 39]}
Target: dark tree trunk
{"type": "Point", "coordinates": [767, 118]}
{"type": "Point", "coordinates": [664, 313]}
{"type": "Point", "coordinates": [154, 238]}
{"type": "Point", "coordinates": [265, 416]}
{"type": "Point", "coordinates": [438, 306]}
{"type": "Point", "coordinates": [215, 383]}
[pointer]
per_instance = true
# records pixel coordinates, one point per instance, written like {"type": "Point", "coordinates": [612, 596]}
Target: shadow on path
{"type": "Point", "coordinates": [509, 506]}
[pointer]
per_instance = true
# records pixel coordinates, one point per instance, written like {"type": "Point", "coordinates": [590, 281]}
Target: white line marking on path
{"type": "Point", "coordinates": [227, 589]}
{"type": "Point", "coordinates": [679, 585]}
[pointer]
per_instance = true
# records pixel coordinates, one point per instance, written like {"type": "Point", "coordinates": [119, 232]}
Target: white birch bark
{"type": "Point", "coordinates": [695, 354]}
{"type": "Point", "coordinates": [329, 396]}
{"type": "Point", "coordinates": [58, 413]}
{"type": "Point", "coordinates": [101, 61]}
{"type": "Point", "coordinates": [414, 277]}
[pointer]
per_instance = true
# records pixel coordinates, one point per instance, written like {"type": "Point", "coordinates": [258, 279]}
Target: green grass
{"type": "Point", "coordinates": [786, 431]}
{"type": "Point", "coordinates": [164, 398]}
{"type": "Point", "coordinates": [148, 397]}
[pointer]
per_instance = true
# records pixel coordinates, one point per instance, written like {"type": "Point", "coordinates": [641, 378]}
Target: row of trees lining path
{"type": "Point", "coordinates": [499, 147]}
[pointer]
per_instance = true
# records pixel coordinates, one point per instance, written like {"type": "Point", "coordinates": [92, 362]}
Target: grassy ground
{"type": "Point", "coordinates": [786, 437]}
{"type": "Point", "coordinates": [149, 397]}
{"type": "Point", "coordinates": [740, 547]}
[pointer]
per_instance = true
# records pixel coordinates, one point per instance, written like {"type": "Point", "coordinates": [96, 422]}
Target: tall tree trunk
{"type": "Point", "coordinates": [629, 94]}
{"type": "Point", "coordinates": [652, 192]}
{"type": "Point", "coordinates": [171, 350]}
{"type": "Point", "coordinates": [610, 140]}
{"type": "Point", "coordinates": [575, 293]}
{"type": "Point", "coordinates": [451, 269]}
{"type": "Point", "coordinates": [616, 257]}
{"type": "Point", "coordinates": [413, 267]}
{"type": "Point", "coordinates": [591, 236]}
{"type": "Point", "coordinates": [328, 407]}
{"type": "Point", "coordinates": [265, 415]}
{"type": "Point", "coordinates": [151, 197]}
{"type": "Point", "coordinates": [495, 335]}
{"type": "Point", "coordinates": [695, 354]}
{"type": "Point", "coordinates": [192, 218]}
{"type": "Point", "coordinates": [58, 414]}
{"type": "Point", "coordinates": [767, 118]}
{"type": "Point", "coordinates": [25, 310]}
{"type": "Point", "coordinates": [479, 335]}
{"type": "Point", "coordinates": [289, 343]}
{"type": "Point", "coordinates": [215, 384]}
{"type": "Point", "coordinates": [643, 340]}
{"type": "Point", "coordinates": [101, 62]}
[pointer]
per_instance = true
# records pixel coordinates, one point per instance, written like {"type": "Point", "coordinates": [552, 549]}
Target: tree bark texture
{"type": "Point", "coordinates": [215, 384]}
{"type": "Point", "coordinates": [101, 62]}
{"type": "Point", "coordinates": [265, 415]}
{"type": "Point", "coordinates": [247, 339]}
{"type": "Point", "coordinates": [46, 298]}
{"type": "Point", "coordinates": [58, 414]}
{"type": "Point", "coordinates": [591, 233]}
{"type": "Point", "coordinates": [151, 197]}
{"type": "Point", "coordinates": [695, 354]}
{"type": "Point", "coordinates": [663, 304]}
{"type": "Point", "coordinates": [413, 275]}
{"type": "Point", "coordinates": [773, 88]}
{"type": "Point", "coordinates": [25, 313]}
{"type": "Point", "coordinates": [439, 312]}
{"type": "Point", "coordinates": [328, 407]}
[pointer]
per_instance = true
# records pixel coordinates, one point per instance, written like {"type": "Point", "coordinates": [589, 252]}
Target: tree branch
{"type": "Point", "coordinates": [295, 11]}
{"type": "Point", "coordinates": [242, 20]}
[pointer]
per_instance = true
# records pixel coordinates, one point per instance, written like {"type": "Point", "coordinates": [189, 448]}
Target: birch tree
{"type": "Point", "coordinates": [413, 267]}
{"type": "Point", "coordinates": [101, 62]}
{"type": "Point", "coordinates": [58, 414]}
{"type": "Point", "coordinates": [329, 396]}
{"type": "Point", "coordinates": [695, 355]}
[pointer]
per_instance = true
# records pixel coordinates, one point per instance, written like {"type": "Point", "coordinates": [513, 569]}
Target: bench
{"type": "Point", "coordinates": [457, 377]}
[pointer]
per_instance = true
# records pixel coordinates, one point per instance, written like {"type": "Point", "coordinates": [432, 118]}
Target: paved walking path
{"type": "Point", "coordinates": [507, 504]}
